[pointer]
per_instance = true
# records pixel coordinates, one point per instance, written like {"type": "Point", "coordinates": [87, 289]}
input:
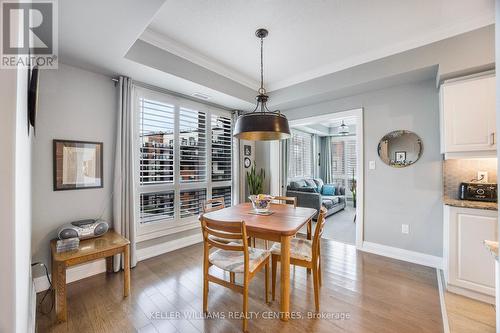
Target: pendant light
{"type": "Point", "coordinates": [262, 124]}
{"type": "Point", "coordinates": [343, 129]}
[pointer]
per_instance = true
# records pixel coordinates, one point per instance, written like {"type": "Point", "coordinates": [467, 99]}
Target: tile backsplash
{"type": "Point", "coordinates": [465, 170]}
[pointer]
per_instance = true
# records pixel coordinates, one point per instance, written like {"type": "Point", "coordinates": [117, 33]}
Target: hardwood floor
{"type": "Point", "coordinates": [466, 315]}
{"type": "Point", "coordinates": [372, 293]}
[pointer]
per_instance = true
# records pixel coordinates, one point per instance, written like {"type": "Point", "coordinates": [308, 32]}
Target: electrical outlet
{"type": "Point", "coordinates": [405, 228]}
{"type": "Point", "coordinates": [371, 165]}
{"type": "Point", "coordinates": [482, 176]}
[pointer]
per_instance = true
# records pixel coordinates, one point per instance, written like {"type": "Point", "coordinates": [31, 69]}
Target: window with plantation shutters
{"type": "Point", "coordinates": [156, 123]}
{"type": "Point", "coordinates": [193, 142]}
{"type": "Point", "coordinates": [351, 161]}
{"type": "Point", "coordinates": [221, 148]}
{"type": "Point", "coordinates": [300, 158]}
{"type": "Point", "coordinates": [338, 163]}
{"type": "Point", "coordinates": [344, 161]}
{"type": "Point", "coordinates": [191, 201]}
{"type": "Point", "coordinates": [223, 192]}
{"type": "Point", "coordinates": [157, 206]}
{"type": "Point", "coordinates": [183, 158]}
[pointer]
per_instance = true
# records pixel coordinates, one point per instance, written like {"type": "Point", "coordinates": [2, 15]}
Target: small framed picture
{"type": "Point", "coordinates": [247, 150]}
{"type": "Point", "coordinates": [400, 156]}
{"type": "Point", "coordinates": [77, 165]}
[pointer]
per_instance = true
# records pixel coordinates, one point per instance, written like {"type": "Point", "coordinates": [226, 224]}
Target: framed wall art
{"type": "Point", "coordinates": [77, 165]}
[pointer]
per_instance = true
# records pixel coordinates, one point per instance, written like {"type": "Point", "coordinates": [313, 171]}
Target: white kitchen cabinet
{"type": "Point", "coordinates": [468, 116]}
{"type": "Point", "coordinates": [468, 266]}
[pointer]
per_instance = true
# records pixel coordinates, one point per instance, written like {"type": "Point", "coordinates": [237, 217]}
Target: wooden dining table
{"type": "Point", "coordinates": [284, 222]}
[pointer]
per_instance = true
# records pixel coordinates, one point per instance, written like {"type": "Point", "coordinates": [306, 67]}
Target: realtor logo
{"type": "Point", "coordinates": [29, 34]}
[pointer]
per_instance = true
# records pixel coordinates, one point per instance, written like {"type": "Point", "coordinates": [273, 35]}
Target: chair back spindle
{"type": "Point", "coordinates": [225, 234]}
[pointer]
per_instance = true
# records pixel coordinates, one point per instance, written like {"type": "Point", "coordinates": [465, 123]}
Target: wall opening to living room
{"type": "Point", "coordinates": [322, 165]}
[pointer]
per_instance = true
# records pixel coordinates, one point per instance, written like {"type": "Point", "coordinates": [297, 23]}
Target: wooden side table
{"type": "Point", "coordinates": [105, 246]}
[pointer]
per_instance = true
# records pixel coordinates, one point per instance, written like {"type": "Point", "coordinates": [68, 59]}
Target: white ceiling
{"type": "Point", "coordinates": [95, 35]}
{"type": "Point", "coordinates": [307, 39]}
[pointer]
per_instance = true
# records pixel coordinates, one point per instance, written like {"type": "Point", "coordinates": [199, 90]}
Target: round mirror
{"type": "Point", "coordinates": [400, 149]}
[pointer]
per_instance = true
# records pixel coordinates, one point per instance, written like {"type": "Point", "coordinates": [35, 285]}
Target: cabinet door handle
{"type": "Point", "coordinates": [492, 136]}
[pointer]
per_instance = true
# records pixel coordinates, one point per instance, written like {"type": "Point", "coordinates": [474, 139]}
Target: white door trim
{"type": "Point", "coordinates": [358, 114]}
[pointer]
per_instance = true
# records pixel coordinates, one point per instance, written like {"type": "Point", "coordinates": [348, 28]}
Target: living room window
{"type": "Point", "coordinates": [343, 162]}
{"type": "Point", "coordinates": [184, 157]}
{"type": "Point", "coordinates": [300, 161]}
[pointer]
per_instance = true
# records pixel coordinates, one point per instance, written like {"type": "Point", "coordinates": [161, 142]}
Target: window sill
{"type": "Point", "coordinates": [161, 231]}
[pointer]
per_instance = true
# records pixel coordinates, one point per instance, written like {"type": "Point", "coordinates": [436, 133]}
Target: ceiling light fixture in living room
{"type": "Point", "coordinates": [262, 124]}
{"type": "Point", "coordinates": [343, 129]}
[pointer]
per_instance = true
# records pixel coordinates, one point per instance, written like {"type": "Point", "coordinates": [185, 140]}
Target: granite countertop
{"type": "Point", "coordinates": [492, 247]}
{"type": "Point", "coordinates": [470, 204]}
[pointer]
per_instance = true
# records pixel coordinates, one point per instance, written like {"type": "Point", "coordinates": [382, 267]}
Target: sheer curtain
{"type": "Point", "coordinates": [123, 188]}
{"type": "Point", "coordinates": [236, 162]}
{"type": "Point", "coordinates": [326, 159]}
{"type": "Point", "coordinates": [285, 152]}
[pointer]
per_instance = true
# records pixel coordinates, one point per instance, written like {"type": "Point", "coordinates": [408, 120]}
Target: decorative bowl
{"type": "Point", "coordinates": [261, 202]}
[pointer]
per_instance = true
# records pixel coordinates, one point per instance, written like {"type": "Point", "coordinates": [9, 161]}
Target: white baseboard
{"type": "Point", "coordinates": [99, 266]}
{"type": "Point", "coordinates": [402, 254]}
{"type": "Point", "coordinates": [156, 250]}
{"type": "Point", "coordinates": [32, 308]}
{"type": "Point", "coordinates": [471, 294]}
{"type": "Point", "coordinates": [74, 274]}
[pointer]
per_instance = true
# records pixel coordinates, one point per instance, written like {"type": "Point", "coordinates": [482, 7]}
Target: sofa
{"type": "Point", "coordinates": [313, 193]}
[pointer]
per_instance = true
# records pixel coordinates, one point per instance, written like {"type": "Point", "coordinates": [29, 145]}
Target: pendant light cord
{"type": "Point", "coordinates": [262, 65]}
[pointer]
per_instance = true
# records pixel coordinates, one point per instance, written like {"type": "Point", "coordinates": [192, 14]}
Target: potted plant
{"type": "Point", "coordinates": [353, 189]}
{"type": "Point", "coordinates": [255, 180]}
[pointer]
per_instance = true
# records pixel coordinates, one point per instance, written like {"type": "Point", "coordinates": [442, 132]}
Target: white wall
{"type": "Point", "coordinates": [411, 195]}
{"type": "Point", "coordinates": [497, 58]}
{"type": "Point", "coordinates": [15, 202]}
{"type": "Point", "coordinates": [77, 105]}
{"type": "Point", "coordinates": [23, 207]}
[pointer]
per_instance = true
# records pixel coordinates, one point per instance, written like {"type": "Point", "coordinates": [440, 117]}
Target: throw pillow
{"type": "Point", "coordinates": [328, 190]}
{"type": "Point", "coordinates": [319, 184]}
{"type": "Point", "coordinates": [312, 183]}
{"type": "Point", "coordinates": [298, 184]}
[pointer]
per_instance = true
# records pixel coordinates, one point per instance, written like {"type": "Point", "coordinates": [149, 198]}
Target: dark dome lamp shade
{"type": "Point", "coordinates": [262, 124]}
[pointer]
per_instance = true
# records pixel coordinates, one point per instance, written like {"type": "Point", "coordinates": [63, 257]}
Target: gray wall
{"type": "Point", "coordinates": [411, 195]}
{"type": "Point", "coordinates": [7, 213]}
{"type": "Point", "coordinates": [76, 105]}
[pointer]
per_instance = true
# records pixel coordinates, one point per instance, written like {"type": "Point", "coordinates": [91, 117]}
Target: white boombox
{"type": "Point", "coordinates": [83, 229]}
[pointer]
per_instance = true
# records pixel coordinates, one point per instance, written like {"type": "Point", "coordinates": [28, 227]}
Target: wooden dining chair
{"type": "Point", "coordinates": [285, 200]}
{"type": "Point", "coordinates": [280, 201]}
{"type": "Point", "coordinates": [213, 205]}
{"type": "Point", "coordinates": [232, 257]}
{"type": "Point", "coordinates": [305, 253]}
